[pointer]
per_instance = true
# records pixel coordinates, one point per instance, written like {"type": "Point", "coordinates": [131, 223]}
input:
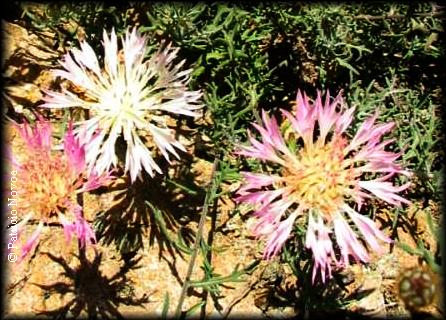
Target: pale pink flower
{"type": "Point", "coordinates": [321, 175]}
{"type": "Point", "coordinates": [127, 97]}
{"type": "Point", "coordinates": [49, 182]}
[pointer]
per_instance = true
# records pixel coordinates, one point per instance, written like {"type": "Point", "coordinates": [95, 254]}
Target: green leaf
{"type": "Point", "coordinates": [198, 72]}
{"type": "Point", "coordinates": [214, 55]}
{"type": "Point", "coordinates": [347, 65]}
{"type": "Point", "coordinates": [165, 309]}
{"type": "Point", "coordinates": [182, 187]}
{"type": "Point", "coordinates": [409, 249]}
{"type": "Point", "coordinates": [162, 225]}
{"type": "Point", "coordinates": [194, 308]}
{"type": "Point", "coordinates": [430, 223]}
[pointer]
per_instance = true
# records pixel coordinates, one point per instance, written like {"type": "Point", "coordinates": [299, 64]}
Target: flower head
{"type": "Point", "coordinates": [49, 182]}
{"type": "Point", "coordinates": [321, 174]}
{"type": "Point", "coordinates": [126, 97]}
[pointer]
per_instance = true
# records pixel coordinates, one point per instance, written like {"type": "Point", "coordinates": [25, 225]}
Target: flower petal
{"type": "Point", "coordinates": [279, 236]}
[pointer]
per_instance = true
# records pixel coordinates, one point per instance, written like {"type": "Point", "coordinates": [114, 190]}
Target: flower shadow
{"type": "Point", "coordinates": [152, 206]}
{"type": "Point", "coordinates": [310, 300]}
{"type": "Point", "coordinates": [91, 291]}
{"type": "Point", "coordinates": [290, 288]}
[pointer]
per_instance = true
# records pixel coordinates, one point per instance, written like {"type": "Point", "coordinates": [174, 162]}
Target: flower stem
{"type": "Point", "coordinates": [197, 241]}
{"type": "Point", "coordinates": [82, 255]}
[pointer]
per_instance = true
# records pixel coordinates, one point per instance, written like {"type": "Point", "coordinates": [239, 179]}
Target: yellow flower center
{"type": "Point", "coordinates": [317, 177]}
{"type": "Point", "coordinates": [46, 183]}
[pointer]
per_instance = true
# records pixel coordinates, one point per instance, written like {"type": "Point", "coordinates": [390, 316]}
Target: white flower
{"type": "Point", "coordinates": [126, 97]}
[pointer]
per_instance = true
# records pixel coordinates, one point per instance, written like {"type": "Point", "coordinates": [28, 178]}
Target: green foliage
{"type": "Point", "coordinates": [343, 40]}
{"type": "Point", "coordinates": [422, 252]}
{"type": "Point", "coordinates": [417, 128]}
{"type": "Point", "coordinates": [222, 42]}
{"type": "Point", "coordinates": [432, 260]}
{"type": "Point", "coordinates": [166, 303]}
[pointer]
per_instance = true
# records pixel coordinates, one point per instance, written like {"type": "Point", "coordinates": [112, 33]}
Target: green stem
{"type": "Point", "coordinates": [82, 255]}
{"type": "Point", "coordinates": [197, 242]}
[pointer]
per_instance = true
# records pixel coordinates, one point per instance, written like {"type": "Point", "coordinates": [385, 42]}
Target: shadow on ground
{"type": "Point", "coordinates": [149, 207]}
{"type": "Point", "coordinates": [92, 292]}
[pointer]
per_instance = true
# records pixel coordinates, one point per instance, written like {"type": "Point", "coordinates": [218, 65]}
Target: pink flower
{"type": "Point", "coordinates": [80, 228]}
{"type": "Point", "coordinates": [50, 181]}
{"type": "Point", "coordinates": [37, 139]}
{"type": "Point", "coordinates": [320, 175]}
{"type": "Point", "coordinates": [74, 151]}
{"type": "Point", "coordinates": [129, 98]}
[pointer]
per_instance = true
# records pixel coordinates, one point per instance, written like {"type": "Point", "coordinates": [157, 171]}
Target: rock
{"type": "Point", "coordinates": [12, 34]}
{"type": "Point", "coordinates": [202, 170]}
{"type": "Point", "coordinates": [372, 304]}
{"type": "Point", "coordinates": [26, 62]}
{"type": "Point", "coordinates": [19, 44]}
